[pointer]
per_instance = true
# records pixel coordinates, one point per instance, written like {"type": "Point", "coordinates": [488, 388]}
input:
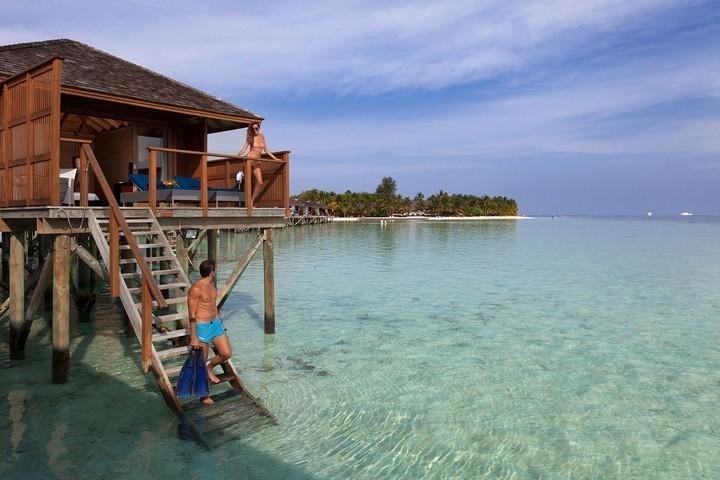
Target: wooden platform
{"type": "Point", "coordinates": [66, 220]}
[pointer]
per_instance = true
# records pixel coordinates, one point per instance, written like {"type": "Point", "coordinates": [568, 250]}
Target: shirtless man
{"type": "Point", "coordinates": [254, 147]}
{"type": "Point", "coordinates": [205, 323]}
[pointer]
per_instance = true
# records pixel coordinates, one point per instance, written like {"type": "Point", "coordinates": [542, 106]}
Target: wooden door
{"type": "Point", "coordinates": [30, 128]}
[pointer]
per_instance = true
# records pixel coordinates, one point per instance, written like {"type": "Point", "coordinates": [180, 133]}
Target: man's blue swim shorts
{"type": "Point", "coordinates": [207, 331]}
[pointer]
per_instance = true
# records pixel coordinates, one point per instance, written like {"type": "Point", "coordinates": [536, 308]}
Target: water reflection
{"type": "Point", "coordinates": [57, 452]}
{"type": "Point", "coordinates": [16, 412]}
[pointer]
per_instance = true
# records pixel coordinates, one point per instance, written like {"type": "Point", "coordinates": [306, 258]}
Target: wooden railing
{"type": "Point", "coordinates": [116, 223]}
{"type": "Point", "coordinates": [221, 173]}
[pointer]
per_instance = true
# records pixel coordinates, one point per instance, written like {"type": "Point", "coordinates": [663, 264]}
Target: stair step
{"type": "Point", "coordinates": [159, 337]}
{"type": "Point", "coordinates": [147, 259]}
{"type": "Point", "coordinates": [173, 371]}
{"type": "Point", "coordinates": [173, 352]}
{"type": "Point", "coordinates": [154, 272]}
{"type": "Point", "coordinates": [144, 246]}
{"type": "Point", "coordinates": [135, 233]}
{"type": "Point", "coordinates": [172, 317]}
{"type": "Point", "coordinates": [162, 286]}
{"type": "Point", "coordinates": [128, 220]}
{"type": "Point", "coordinates": [169, 301]}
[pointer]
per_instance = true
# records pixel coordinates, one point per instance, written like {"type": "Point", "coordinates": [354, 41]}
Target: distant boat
{"type": "Point", "coordinates": [686, 214]}
{"type": "Point", "coordinates": [649, 214]}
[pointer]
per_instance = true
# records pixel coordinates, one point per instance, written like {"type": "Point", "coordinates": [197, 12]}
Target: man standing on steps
{"type": "Point", "coordinates": [205, 323]}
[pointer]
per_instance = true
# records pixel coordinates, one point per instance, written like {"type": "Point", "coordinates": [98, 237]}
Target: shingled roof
{"type": "Point", "coordinates": [89, 69]}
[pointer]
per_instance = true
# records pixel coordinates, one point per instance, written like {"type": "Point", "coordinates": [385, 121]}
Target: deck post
{"type": "Point", "coordinates": [61, 310]}
{"type": "Point", "coordinates": [152, 176]}
{"type": "Point", "coordinates": [204, 185]}
{"type": "Point", "coordinates": [248, 187]}
{"type": "Point", "coordinates": [17, 295]}
{"type": "Point", "coordinates": [268, 268]}
{"type": "Point", "coordinates": [212, 247]}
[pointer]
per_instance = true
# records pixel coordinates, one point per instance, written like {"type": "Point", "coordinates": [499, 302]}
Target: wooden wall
{"type": "Point", "coordinates": [30, 136]}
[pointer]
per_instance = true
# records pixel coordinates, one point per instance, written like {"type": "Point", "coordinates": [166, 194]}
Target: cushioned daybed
{"type": "Point", "coordinates": [183, 189]}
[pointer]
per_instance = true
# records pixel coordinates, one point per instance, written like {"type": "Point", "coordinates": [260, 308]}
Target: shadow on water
{"type": "Point", "coordinates": [107, 418]}
{"type": "Point", "coordinates": [241, 301]}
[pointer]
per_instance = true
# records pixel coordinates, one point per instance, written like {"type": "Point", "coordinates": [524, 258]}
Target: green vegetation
{"type": "Point", "coordinates": [386, 201]}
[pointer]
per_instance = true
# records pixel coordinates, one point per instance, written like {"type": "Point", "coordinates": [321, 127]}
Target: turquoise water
{"type": "Point", "coordinates": [544, 348]}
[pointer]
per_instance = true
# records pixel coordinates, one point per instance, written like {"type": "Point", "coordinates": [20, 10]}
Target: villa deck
{"type": "Point", "coordinates": [73, 220]}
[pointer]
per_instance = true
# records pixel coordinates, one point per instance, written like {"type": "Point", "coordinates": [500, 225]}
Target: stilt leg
{"type": "Point", "coordinates": [268, 267]}
{"type": "Point", "coordinates": [17, 295]}
{"type": "Point", "coordinates": [61, 310]}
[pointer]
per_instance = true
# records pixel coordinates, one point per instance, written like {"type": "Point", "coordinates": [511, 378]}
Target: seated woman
{"type": "Point", "coordinates": [254, 147]}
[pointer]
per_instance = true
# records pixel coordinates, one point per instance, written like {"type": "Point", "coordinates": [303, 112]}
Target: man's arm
{"type": "Point", "coordinates": [193, 303]}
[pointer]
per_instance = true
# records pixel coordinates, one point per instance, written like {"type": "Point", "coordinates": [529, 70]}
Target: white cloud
{"type": "Point", "coordinates": [579, 115]}
{"type": "Point", "coordinates": [350, 46]}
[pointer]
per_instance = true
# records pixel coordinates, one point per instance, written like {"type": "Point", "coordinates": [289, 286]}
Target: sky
{"type": "Point", "coordinates": [570, 107]}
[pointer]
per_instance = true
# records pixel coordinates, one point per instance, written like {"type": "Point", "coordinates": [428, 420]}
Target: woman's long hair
{"type": "Point", "coordinates": [251, 133]}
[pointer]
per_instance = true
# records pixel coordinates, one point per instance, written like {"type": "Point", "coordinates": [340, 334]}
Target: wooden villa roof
{"type": "Point", "coordinates": [86, 69]}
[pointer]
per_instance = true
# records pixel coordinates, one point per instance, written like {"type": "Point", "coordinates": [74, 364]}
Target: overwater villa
{"type": "Point", "coordinates": [83, 132]}
{"type": "Point", "coordinates": [304, 208]}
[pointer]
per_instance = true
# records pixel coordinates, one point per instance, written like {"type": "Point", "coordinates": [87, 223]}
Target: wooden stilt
{"type": "Point", "coordinates": [17, 295]}
{"type": "Point", "coordinates": [229, 284]}
{"type": "Point", "coordinates": [61, 310]}
{"type": "Point", "coordinates": [212, 247]}
{"type": "Point", "coordinates": [268, 264]}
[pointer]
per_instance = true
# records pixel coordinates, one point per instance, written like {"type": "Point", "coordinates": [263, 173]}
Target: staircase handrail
{"type": "Point", "coordinates": [87, 155]}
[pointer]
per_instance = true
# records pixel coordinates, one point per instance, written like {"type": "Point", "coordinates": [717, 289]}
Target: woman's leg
{"type": "Point", "coordinates": [257, 173]}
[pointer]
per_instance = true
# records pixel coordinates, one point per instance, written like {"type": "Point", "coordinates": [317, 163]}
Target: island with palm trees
{"type": "Point", "coordinates": [387, 202]}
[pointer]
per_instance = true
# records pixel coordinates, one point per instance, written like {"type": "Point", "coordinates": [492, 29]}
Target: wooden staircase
{"type": "Point", "coordinates": [162, 330]}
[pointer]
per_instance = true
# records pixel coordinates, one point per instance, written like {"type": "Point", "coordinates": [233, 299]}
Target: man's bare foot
{"type": "Point", "coordinates": [213, 379]}
{"type": "Point", "coordinates": [207, 401]}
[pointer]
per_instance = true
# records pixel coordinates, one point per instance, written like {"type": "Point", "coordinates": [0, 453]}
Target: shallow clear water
{"type": "Point", "coordinates": [543, 348]}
